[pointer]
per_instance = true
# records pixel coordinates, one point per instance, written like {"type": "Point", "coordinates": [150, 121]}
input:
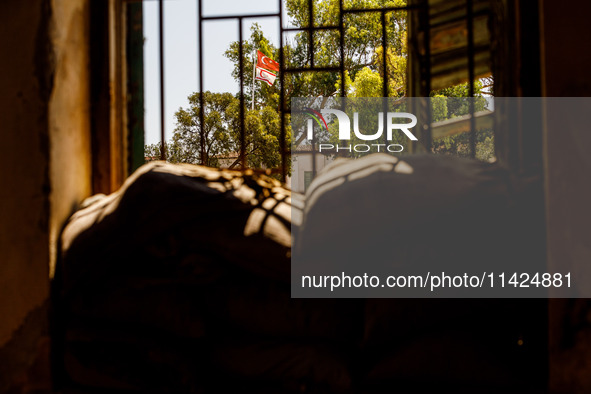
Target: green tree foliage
{"type": "Point", "coordinates": [221, 135]}
{"type": "Point", "coordinates": [362, 44]}
{"type": "Point", "coordinates": [217, 137]}
{"type": "Point", "coordinates": [363, 53]}
{"type": "Point", "coordinates": [457, 104]}
{"type": "Point", "coordinates": [362, 48]}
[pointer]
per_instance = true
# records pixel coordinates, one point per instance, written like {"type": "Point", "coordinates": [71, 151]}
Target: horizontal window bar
{"type": "Point", "coordinates": [311, 28]}
{"type": "Point", "coordinates": [246, 16]}
{"type": "Point", "coordinates": [385, 9]}
{"type": "Point", "coordinates": [461, 18]}
{"type": "Point", "coordinates": [305, 69]}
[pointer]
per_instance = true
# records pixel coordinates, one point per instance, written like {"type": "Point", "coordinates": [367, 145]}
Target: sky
{"type": "Point", "coordinates": [181, 53]}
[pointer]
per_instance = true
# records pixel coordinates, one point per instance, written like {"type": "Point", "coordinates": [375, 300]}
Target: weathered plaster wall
{"type": "Point", "coordinates": [25, 85]}
{"type": "Point", "coordinates": [44, 169]}
{"type": "Point", "coordinates": [565, 73]}
{"type": "Point", "coordinates": [69, 115]}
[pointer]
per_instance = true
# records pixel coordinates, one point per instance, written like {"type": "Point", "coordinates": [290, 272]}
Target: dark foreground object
{"type": "Point", "coordinates": [180, 282]}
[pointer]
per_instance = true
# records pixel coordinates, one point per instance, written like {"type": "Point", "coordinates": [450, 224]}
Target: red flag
{"type": "Point", "coordinates": [267, 63]}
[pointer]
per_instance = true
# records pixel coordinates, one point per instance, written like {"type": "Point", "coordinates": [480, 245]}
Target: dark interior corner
{"type": "Point", "coordinates": [122, 307]}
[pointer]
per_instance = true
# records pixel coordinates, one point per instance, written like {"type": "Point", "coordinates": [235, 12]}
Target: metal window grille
{"type": "Point", "coordinates": [429, 66]}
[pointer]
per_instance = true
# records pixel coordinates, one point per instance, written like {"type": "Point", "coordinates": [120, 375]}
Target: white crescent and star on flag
{"type": "Point", "coordinates": [267, 63]}
{"type": "Point", "coordinates": [266, 68]}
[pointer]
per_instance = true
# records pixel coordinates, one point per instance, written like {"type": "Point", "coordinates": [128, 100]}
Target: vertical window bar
{"type": "Point", "coordinates": [135, 84]}
{"type": "Point", "coordinates": [427, 136]}
{"type": "Point", "coordinates": [471, 66]}
{"type": "Point", "coordinates": [384, 57]}
{"type": "Point", "coordinates": [162, 116]}
{"type": "Point", "coordinates": [313, 151]}
{"type": "Point", "coordinates": [311, 31]}
{"type": "Point", "coordinates": [342, 63]}
{"type": "Point", "coordinates": [240, 69]}
{"type": "Point", "coordinates": [201, 107]}
{"type": "Point", "coordinates": [282, 139]}
{"type": "Point", "coordinates": [342, 49]}
{"type": "Point", "coordinates": [385, 74]}
{"type": "Point", "coordinates": [313, 155]}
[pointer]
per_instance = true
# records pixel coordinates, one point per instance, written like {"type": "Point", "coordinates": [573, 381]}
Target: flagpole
{"type": "Point", "coordinates": [254, 67]}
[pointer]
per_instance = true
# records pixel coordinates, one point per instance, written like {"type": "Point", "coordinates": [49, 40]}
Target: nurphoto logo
{"type": "Point", "coordinates": [345, 130]}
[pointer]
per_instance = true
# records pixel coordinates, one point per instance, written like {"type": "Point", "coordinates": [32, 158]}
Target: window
{"type": "Point", "coordinates": [445, 45]}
